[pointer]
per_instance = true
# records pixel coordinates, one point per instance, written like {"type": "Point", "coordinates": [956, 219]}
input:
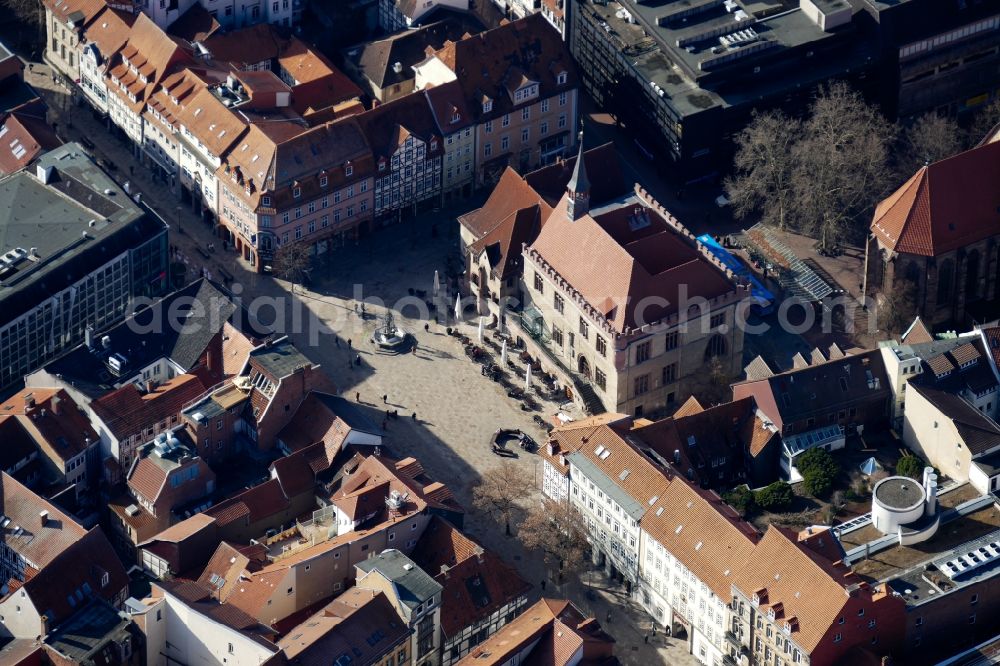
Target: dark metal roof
{"type": "Point", "coordinates": [414, 585]}
{"type": "Point", "coordinates": [78, 222]}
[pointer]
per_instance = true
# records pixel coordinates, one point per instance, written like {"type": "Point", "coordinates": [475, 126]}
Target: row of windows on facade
{"type": "Point", "coordinates": [529, 92]}
{"type": "Point", "coordinates": [543, 129]}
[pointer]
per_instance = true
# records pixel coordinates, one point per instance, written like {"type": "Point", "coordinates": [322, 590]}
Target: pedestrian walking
{"type": "Point", "coordinates": [414, 416]}
{"type": "Point", "coordinates": [350, 343]}
{"type": "Point", "coordinates": [645, 639]}
{"type": "Point", "coordinates": [385, 399]}
{"type": "Point", "coordinates": [543, 585]}
{"type": "Point", "coordinates": [357, 396]}
{"type": "Point", "coordinates": [427, 328]}
{"type": "Point", "coordinates": [357, 359]}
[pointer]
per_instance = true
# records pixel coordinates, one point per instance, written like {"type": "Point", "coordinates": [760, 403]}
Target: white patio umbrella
{"type": "Point", "coordinates": [458, 308]}
{"type": "Point", "coordinates": [527, 379]}
{"type": "Point", "coordinates": [480, 329]}
{"type": "Point", "coordinates": [503, 353]}
{"type": "Point", "coordinates": [437, 283]}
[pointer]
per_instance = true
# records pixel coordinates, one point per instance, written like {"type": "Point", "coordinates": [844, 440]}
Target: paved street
{"type": "Point", "coordinates": [457, 408]}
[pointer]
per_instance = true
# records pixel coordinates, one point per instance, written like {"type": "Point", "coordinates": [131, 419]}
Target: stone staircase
{"type": "Point", "coordinates": [591, 402]}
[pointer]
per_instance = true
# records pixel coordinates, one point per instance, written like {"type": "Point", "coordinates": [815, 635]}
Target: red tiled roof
{"type": "Point", "coordinates": [56, 422]}
{"type": "Point", "coordinates": [476, 583]}
{"type": "Point", "coordinates": [703, 532]}
{"type": "Point", "coordinates": [147, 479]}
{"type": "Point", "coordinates": [62, 9]}
{"type": "Point", "coordinates": [35, 543]}
{"type": "Point", "coordinates": [25, 136]}
{"type": "Point", "coordinates": [86, 561]}
{"type": "Point", "coordinates": [510, 195]}
{"type": "Point", "coordinates": [630, 259]}
{"type": "Point", "coordinates": [808, 586]}
{"type": "Point", "coordinates": [916, 333]}
{"type": "Point", "coordinates": [486, 63]}
{"type": "Point", "coordinates": [254, 504]}
{"type": "Point", "coordinates": [944, 206]}
{"type": "Point", "coordinates": [127, 411]}
{"type": "Point", "coordinates": [109, 31]}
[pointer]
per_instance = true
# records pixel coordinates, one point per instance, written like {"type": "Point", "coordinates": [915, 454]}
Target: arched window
{"type": "Point", "coordinates": [946, 281]}
{"type": "Point", "coordinates": [972, 276]}
{"type": "Point", "coordinates": [717, 346]}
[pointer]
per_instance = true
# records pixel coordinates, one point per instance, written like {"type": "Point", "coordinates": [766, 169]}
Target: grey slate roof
{"type": "Point", "coordinates": [141, 340]}
{"type": "Point", "coordinates": [88, 632]}
{"type": "Point", "coordinates": [980, 433]}
{"type": "Point", "coordinates": [579, 182]}
{"type": "Point", "coordinates": [412, 583]}
{"type": "Point", "coordinates": [592, 472]}
{"type": "Point", "coordinates": [279, 359]}
{"type": "Point", "coordinates": [375, 60]}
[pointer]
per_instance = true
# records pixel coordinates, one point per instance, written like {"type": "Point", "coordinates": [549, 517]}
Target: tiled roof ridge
{"type": "Point", "coordinates": [836, 571]}
{"type": "Point", "coordinates": [890, 202]}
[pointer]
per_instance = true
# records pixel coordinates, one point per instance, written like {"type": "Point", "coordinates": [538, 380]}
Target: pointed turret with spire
{"type": "Point", "coordinates": [578, 188]}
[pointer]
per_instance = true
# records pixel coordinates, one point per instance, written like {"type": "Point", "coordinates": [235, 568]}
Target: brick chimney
{"type": "Point", "coordinates": [43, 517]}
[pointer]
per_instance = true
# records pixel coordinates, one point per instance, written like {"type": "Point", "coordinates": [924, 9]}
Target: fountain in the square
{"type": "Point", "coordinates": [388, 335]}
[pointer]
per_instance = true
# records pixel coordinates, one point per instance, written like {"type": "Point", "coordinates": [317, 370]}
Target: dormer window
{"type": "Point", "coordinates": [455, 117]}
{"type": "Point", "coordinates": [265, 201]}
{"type": "Point", "coordinates": [434, 144]}
{"type": "Point", "coordinates": [348, 169]}
{"type": "Point", "coordinates": [487, 105]}
{"type": "Point", "coordinates": [561, 78]}
{"type": "Point", "coordinates": [322, 180]}
{"type": "Point", "coordinates": [296, 192]}
{"type": "Point", "coordinates": [381, 164]}
{"type": "Point", "coordinates": [527, 92]}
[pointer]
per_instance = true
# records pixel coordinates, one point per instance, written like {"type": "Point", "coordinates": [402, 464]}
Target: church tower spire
{"type": "Point", "coordinates": [578, 188]}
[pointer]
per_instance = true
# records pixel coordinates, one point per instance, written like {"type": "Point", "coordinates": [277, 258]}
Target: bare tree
{"type": "Point", "coordinates": [558, 531]}
{"type": "Point", "coordinates": [763, 168]}
{"type": "Point", "coordinates": [292, 261]}
{"type": "Point", "coordinates": [27, 11]}
{"type": "Point", "coordinates": [500, 490]}
{"type": "Point", "coordinates": [898, 306]}
{"type": "Point", "coordinates": [821, 176]}
{"type": "Point", "coordinates": [928, 139]}
{"type": "Point", "coordinates": [715, 389]}
{"type": "Point", "coordinates": [840, 166]}
{"type": "Point", "coordinates": [985, 121]}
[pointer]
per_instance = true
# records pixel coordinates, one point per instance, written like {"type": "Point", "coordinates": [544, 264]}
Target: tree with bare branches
{"type": "Point", "coordinates": [822, 176]}
{"type": "Point", "coordinates": [292, 261]}
{"type": "Point", "coordinates": [558, 531]}
{"type": "Point", "coordinates": [499, 491]}
{"type": "Point", "coordinates": [763, 168]}
{"type": "Point", "coordinates": [841, 164]}
{"type": "Point", "coordinates": [985, 121]}
{"type": "Point", "coordinates": [927, 139]}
